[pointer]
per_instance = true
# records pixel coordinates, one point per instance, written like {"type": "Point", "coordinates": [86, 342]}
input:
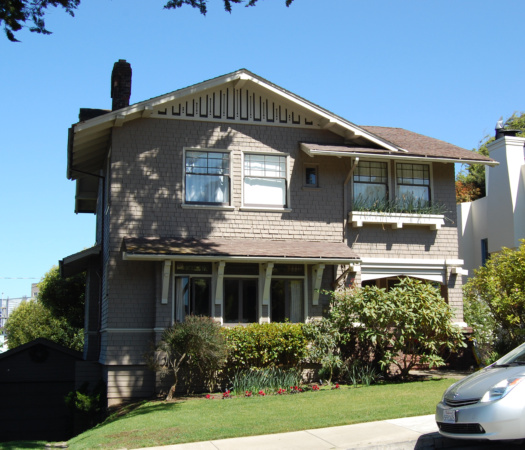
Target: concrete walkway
{"type": "Point", "coordinates": [397, 434]}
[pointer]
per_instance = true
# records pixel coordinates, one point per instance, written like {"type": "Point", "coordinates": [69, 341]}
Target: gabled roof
{"type": "Point", "coordinates": [44, 342]}
{"type": "Point", "coordinates": [238, 97]}
{"type": "Point", "coordinates": [90, 137]}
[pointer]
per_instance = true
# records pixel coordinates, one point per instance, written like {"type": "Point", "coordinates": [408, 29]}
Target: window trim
{"type": "Point", "coordinates": [255, 207]}
{"type": "Point", "coordinates": [207, 205]}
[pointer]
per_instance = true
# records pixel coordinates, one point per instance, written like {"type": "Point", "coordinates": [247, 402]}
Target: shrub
{"type": "Point", "coordinates": [88, 406]}
{"type": "Point", "coordinates": [495, 301]}
{"type": "Point", "coordinates": [408, 325]}
{"type": "Point", "coordinates": [324, 348]}
{"type": "Point", "coordinates": [195, 345]}
{"type": "Point", "coordinates": [265, 345]}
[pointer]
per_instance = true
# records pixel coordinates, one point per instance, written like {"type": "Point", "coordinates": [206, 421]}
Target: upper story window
{"type": "Point", "coordinates": [371, 183]}
{"type": "Point", "coordinates": [413, 184]}
{"type": "Point", "coordinates": [311, 175]}
{"type": "Point", "coordinates": [265, 181]}
{"type": "Point", "coordinates": [207, 177]}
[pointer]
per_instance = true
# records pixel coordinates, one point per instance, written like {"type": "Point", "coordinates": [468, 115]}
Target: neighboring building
{"type": "Point", "coordinates": [35, 290]}
{"type": "Point", "coordinates": [7, 306]}
{"type": "Point", "coordinates": [498, 219]}
{"type": "Point", "coordinates": [238, 199]}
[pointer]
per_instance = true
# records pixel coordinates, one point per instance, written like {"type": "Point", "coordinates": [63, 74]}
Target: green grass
{"type": "Point", "coordinates": [161, 423]}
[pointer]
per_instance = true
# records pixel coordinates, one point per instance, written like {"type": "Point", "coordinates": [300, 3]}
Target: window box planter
{"type": "Point", "coordinates": [396, 220]}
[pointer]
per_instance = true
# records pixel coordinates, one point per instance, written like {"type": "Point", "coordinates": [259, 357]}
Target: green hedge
{"type": "Point", "coordinates": [265, 345]}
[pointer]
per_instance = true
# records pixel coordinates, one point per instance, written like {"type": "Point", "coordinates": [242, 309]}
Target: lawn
{"type": "Point", "coordinates": [159, 423]}
{"type": "Point", "coordinates": [201, 419]}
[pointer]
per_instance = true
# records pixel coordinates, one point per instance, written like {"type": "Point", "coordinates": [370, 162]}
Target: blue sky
{"type": "Point", "coordinates": [445, 68]}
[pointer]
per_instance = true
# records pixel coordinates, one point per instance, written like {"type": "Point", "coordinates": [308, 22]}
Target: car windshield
{"type": "Point", "coordinates": [516, 356]}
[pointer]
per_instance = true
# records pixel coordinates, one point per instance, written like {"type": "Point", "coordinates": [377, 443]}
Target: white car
{"type": "Point", "coordinates": [489, 404]}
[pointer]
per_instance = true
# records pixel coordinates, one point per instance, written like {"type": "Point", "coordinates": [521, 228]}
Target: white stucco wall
{"type": "Point", "coordinates": [500, 216]}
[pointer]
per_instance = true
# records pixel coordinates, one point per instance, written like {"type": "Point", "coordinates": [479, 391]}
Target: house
{"type": "Point", "coordinates": [240, 200]}
{"type": "Point", "coordinates": [498, 219]}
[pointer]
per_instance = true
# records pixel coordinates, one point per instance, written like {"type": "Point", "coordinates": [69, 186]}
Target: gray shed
{"type": "Point", "coordinates": [34, 379]}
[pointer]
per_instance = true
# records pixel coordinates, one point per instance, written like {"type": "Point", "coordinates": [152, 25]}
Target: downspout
{"type": "Point", "coordinates": [345, 196]}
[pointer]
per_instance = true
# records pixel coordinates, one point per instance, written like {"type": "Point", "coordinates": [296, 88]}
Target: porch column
{"type": "Point", "coordinates": [219, 292]}
{"type": "Point", "coordinates": [317, 272]}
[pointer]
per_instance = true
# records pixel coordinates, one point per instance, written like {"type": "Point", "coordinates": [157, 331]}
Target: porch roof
{"type": "Point", "coordinates": [412, 146]}
{"type": "Point", "coordinates": [78, 262]}
{"type": "Point", "coordinates": [255, 250]}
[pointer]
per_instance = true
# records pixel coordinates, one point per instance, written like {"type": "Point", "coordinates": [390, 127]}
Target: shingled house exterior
{"type": "Point", "coordinates": [234, 198]}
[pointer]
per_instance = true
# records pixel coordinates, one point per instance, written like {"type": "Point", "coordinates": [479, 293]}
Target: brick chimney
{"type": "Point", "coordinates": [120, 84]}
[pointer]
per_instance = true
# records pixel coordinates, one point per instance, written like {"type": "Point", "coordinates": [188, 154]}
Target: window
{"type": "Point", "coordinates": [265, 180]}
{"type": "Point", "coordinates": [193, 289]}
{"type": "Point", "coordinates": [311, 176]}
{"type": "Point", "coordinates": [286, 300]}
{"type": "Point", "coordinates": [207, 177]}
{"type": "Point", "coordinates": [193, 296]}
{"type": "Point", "coordinates": [485, 255]}
{"type": "Point", "coordinates": [413, 184]}
{"type": "Point", "coordinates": [240, 300]}
{"type": "Point", "coordinates": [370, 183]}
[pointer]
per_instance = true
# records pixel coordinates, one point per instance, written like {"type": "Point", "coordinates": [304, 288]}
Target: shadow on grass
{"type": "Point", "coordinates": [140, 408]}
{"type": "Point", "coordinates": [14, 445]}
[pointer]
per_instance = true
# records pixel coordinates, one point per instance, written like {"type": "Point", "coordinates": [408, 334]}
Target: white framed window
{"type": "Point", "coordinates": [413, 184]}
{"type": "Point", "coordinates": [265, 181]}
{"type": "Point", "coordinates": [370, 183]}
{"type": "Point", "coordinates": [207, 177]}
{"type": "Point", "coordinates": [193, 290]}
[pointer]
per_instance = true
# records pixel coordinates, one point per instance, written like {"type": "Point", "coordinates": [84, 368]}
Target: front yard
{"type": "Point", "coordinates": [200, 419]}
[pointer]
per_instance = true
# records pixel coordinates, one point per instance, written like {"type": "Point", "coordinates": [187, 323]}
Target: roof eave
{"type": "Point", "coordinates": [129, 256]}
{"type": "Point", "coordinates": [405, 157]}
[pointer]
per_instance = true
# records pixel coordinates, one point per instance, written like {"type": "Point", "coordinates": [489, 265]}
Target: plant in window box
{"type": "Point", "coordinates": [408, 204]}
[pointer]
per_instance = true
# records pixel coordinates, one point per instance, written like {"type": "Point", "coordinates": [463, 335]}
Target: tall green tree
{"type": "Point", "coordinates": [32, 320]}
{"type": "Point", "coordinates": [57, 315]}
{"type": "Point", "coordinates": [470, 184]}
{"type": "Point", "coordinates": [17, 14]}
{"type": "Point", "coordinates": [64, 297]}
